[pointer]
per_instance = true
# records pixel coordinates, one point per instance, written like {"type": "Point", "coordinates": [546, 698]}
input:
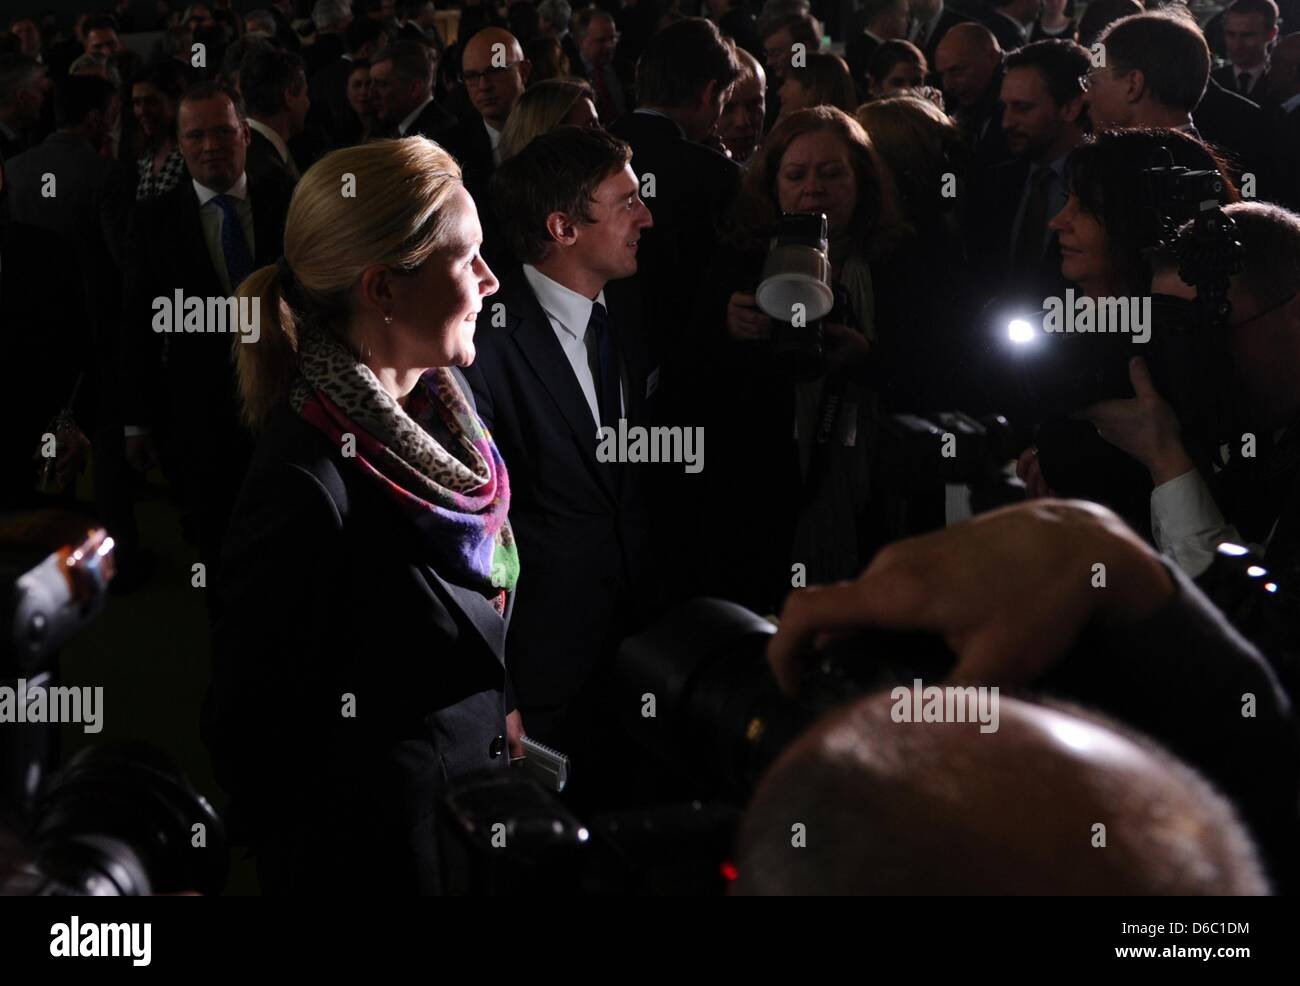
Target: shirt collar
{"type": "Point", "coordinates": [269, 133]}
{"type": "Point", "coordinates": [1291, 103]}
{"type": "Point", "coordinates": [565, 305]}
{"type": "Point", "coordinates": [402, 127]}
{"type": "Point", "coordinates": [239, 190]}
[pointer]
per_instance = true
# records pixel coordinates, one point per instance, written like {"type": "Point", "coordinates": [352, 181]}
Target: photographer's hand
{"type": "Point", "coordinates": [746, 322]}
{"type": "Point", "coordinates": [1009, 591]}
{"type": "Point", "coordinates": [847, 350]}
{"type": "Point", "coordinates": [1144, 427]}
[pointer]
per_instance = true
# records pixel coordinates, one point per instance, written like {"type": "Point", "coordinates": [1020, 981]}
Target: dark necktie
{"type": "Point", "coordinates": [606, 369]}
{"type": "Point", "coordinates": [234, 245]}
{"type": "Point", "coordinates": [1028, 249]}
{"type": "Point", "coordinates": [606, 108]}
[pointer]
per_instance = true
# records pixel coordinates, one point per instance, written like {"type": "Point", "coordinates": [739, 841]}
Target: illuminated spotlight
{"type": "Point", "coordinates": [1236, 550]}
{"type": "Point", "coordinates": [106, 547]}
{"type": "Point", "coordinates": [1270, 586]}
{"type": "Point", "coordinates": [1018, 330]}
{"type": "Point", "coordinates": [1255, 571]}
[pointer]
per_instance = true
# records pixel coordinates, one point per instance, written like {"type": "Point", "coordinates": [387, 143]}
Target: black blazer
{"type": "Point", "coordinates": [581, 528]}
{"type": "Point", "coordinates": [182, 385]}
{"type": "Point", "coordinates": [1226, 76]}
{"type": "Point", "coordinates": [264, 162]}
{"type": "Point", "coordinates": [432, 122]}
{"type": "Point", "coordinates": [325, 594]}
{"type": "Point", "coordinates": [468, 143]}
{"type": "Point", "coordinates": [1235, 125]}
{"type": "Point", "coordinates": [1008, 37]}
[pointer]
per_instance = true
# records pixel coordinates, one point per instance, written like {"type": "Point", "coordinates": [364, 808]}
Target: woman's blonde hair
{"type": "Point", "coordinates": [541, 109]}
{"type": "Point", "coordinates": [384, 202]}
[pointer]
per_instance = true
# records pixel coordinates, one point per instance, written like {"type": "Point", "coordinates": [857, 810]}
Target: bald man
{"type": "Point", "coordinates": [495, 73]}
{"type": "Point", "coordinates": [1052, 802]}
{"type": "Point", "coordinates": [969, 61]}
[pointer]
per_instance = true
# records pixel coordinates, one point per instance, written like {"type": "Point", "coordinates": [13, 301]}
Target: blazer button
{"type": "Point", "coordinates": [497, 748]}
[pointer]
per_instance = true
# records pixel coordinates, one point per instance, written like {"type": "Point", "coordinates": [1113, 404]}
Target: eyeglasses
{"type": "Point", "coordinates": [223, 135]}
{"type": "Point", "coordinates": [472, 78]}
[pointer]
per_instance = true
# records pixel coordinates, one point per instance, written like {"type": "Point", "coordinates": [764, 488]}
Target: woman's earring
{"type": "Point", "coordinates": [388, 318]}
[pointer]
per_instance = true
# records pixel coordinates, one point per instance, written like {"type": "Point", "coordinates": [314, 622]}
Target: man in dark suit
{"type": "Point", "coordinates": [330, 119]}
{"type": "Point", "coordinates": [684, 77]}
{"type": "Point", "coordinates": [401, 91]}
{"type": "Point", "coordinates": [274, 88]}
{"type": "Point", "coordinates": [1012, 21]}
{"type": "Point", "coordinates": [553, 17]}
{"type": "Point", "coordinates": [23, 87]}
{"type": "Point", "coordinates": [495, 73]}
{"type": "Point", "coordinates": [1284, 88]}
{"type": "Point", "coordinates": [331, 18]}
{"type": "Point", "coordinates": [1249, 30]}
{"type": "Point", "coordinates": [878, 21]}
{"type": "Point", "coordinates": [969, 61]}
{"type": "Point", "coordinates": [931, 20]}
{"type": "Point", "coordinates": [202, 239]}
{"type": "Point", "coordinates": [1012, 203]}
{"type": "Point", "coordinates": [597, 39]}
{"type": "Point", "coordinates": [560, 357]}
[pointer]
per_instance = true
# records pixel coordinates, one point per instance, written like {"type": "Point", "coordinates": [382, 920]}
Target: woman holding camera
{"type": "Point", "coordinates": [1112, 220]}
{"type": "Point", "coordinates": [369, 567]}
{"type": "Point", "coordinates": [792, 456]}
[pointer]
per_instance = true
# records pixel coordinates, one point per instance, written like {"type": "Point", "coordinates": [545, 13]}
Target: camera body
{"type": "Point", "coordinates": [796, 291]}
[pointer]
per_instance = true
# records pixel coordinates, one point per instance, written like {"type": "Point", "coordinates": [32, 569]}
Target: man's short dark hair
{"type": "Point", "coordinates": [77, 96]}
{"type": "Point", "coordinates": [582, 20]}
{"type": "Point", "coordinates": [264, 75]}
{"type": "Point", "coordinates": [680, 60]}
{"type": "Point", "coordinates": [803, 30]}
{"type": "Point", "coordinates": [1168, 49]}
{"type": "Point", "coordinates": [233, 60]}
{"type": "Point", "coordinates": [556, 172]}
{"type": "Point", "coordinates": [1266, 9]}
{"type": "Point", "coordinates": [16, 71]}
{"type": "Point", "coordinates": [99, 22]}
{"type": "Point", "coordinates": [1100, 14]}
{"type": "Point", "coordinates": [211, 89]}
{"type": "Point", "coordinates": [1062, 64]}
{"type": "Point", "coordinates": [410, 60]}
{"type": "Point", "coordinates": [1270, 240]}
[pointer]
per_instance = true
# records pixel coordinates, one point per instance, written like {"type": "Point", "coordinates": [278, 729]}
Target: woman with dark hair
{"type": "Point", "coordinates": [794, 459]}
{"type": "Point", "coordinates": [824, 81]}
{"type": "Point", "coordinates": [155, 98]}
{"type": "Point", "coordinates": [894, 68]}
{"type": "Point", "coordinates": [1107, 231]}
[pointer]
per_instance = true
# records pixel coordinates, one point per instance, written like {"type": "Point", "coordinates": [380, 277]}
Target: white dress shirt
{"type": "Point", "coordinates": [211, 216]}
{"type": "Point", "coordinates": [569, 313]}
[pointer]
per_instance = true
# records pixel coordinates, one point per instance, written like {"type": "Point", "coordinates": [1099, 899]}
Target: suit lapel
{"type": "Point", "coordinates": [532, 333]}
{"type": "Point", "coordinates": [478, 610]}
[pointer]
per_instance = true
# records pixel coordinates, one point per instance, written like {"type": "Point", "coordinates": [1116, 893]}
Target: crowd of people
{"type": "Point", "coordinates": [368, 283]}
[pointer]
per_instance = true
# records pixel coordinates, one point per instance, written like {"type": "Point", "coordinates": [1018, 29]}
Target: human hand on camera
{"type": "Point", "coordinates": [847, 349]}
{"type": "Point", "coordinates": [515, 734]}
{"type": "Point", "coordinates": [1143, 426]}
{"type": "Point", "coordinates": [1009, 591]}
{"type": "Point", "coordinates": [746, 322]}
{"type": "Point", "coordinates": [1030, 472]}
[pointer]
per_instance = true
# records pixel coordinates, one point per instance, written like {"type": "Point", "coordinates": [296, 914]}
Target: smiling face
{"type": "Point", "coordinates": [606, 248]}
{"type": "Point", "coordinates": [816, 175]}
{"type": "Point", "coordinates": [435, 308]}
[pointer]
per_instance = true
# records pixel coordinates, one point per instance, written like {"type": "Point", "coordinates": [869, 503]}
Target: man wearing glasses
{"type": "Point", "coordinates": [1253, 498]}
{"type": "Point", "coordinates": [202, 239]}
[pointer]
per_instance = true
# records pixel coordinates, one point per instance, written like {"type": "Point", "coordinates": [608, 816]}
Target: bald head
{"type": "Point", "coordinates": [495, 73]}
{"type": "Point", "coordinates": [1052, 802]}
{"type": "Point", "coordinates": [967, 58]}
{"type": "Point", "coordinates": [1284, 69]}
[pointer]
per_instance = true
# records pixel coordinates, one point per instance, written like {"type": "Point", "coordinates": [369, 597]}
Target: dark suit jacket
{"type": "Point", "coordinates": [182, 385]}
{"type": "Point", "coordinates": [325, 592]}
{"type": "Point", "coordinates": [326, 49]}
{"type": "Point", "coordinates": [694, 187]}
{"type": "Point", "coordinates": [468, 143]}
{"type": "Point", "coordinates": [581, 529]}
{"type": "Point", "coordinates": [857, 53]}
{"type": "Point", "coordinates": [433, 122]}
{"type": "Point", "coordinates": [1226, 76]}
{"type": "Point", "coordinates": [1235, 125]}
{"type": "Point", "coordinates": [264, 162]}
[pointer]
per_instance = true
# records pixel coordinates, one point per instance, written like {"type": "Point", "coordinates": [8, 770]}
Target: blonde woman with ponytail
{"type": "Point", "coordinates": [369, 568]}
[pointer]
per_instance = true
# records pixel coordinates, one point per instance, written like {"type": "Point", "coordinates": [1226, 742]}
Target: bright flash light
{"type": "Point", "coordinates": [1255, 571]}
{"type": "Point", "coordinates": [1018, 330]}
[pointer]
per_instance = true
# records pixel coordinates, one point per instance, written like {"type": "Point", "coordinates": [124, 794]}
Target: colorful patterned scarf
{"type": "Point", "coordinates": [458, 504]}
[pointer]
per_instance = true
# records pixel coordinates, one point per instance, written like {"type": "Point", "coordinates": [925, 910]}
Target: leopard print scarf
{"type": "Point", "coordinates": [458, 500]}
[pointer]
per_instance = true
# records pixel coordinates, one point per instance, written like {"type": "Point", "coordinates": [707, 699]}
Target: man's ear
{"type": "Point", "coordinates": [1135, 85]}
{"type": "Point", "coordinates": [705, 98]}
{"type": "Point", "coordinates": [246, 131]}
{"type": "Point", "coordinates": [525, 70]}
{"type": "Point", "coordinates": [1072, 110]}
{"type": "Point", "coordinates": [562, 229]}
